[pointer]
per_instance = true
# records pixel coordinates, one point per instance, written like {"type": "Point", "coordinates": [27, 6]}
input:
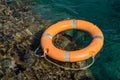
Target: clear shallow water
{"type": "Point", "coordinates": [103, 13]}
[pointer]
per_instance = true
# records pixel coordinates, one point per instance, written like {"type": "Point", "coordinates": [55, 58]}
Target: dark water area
{"type": "Point", "coordinates": [103, 13]}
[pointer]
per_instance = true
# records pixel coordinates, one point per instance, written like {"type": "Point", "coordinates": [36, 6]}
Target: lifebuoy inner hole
{"type": "Point", "coordinates": [71, 40]}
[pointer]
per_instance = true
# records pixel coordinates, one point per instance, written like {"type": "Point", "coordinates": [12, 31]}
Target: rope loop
{"type": "Point", "coordinates": [67, 68]}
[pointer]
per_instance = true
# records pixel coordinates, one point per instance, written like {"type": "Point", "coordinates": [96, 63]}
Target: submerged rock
{"type": "Point", "coordinates": [7, 63]}
{"type": "Point", "coordinates": [9, 1]}
{"type": "Point", "coordinates": [1, 25]}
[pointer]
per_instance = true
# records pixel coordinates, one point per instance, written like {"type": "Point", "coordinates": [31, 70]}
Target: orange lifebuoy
{"type": "Point", "coordinates": [72, 56]}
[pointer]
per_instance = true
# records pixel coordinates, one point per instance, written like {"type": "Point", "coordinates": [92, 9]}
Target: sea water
{"type": "Point", "coordinates": [103, 13]}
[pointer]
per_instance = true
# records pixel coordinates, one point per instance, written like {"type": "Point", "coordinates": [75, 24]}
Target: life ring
{"type": "Point", "coordinates": [72, 56]}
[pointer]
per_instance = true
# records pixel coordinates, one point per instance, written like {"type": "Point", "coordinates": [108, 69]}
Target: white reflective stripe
{"type": "Point", "coordinates": [48, 35]}
{"type": "Point", "coordinates": [74, 24]}
{"type": "Point", "coordinates": [67, 56]}
{"type": "Point", "coordinates": [100, 37]}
